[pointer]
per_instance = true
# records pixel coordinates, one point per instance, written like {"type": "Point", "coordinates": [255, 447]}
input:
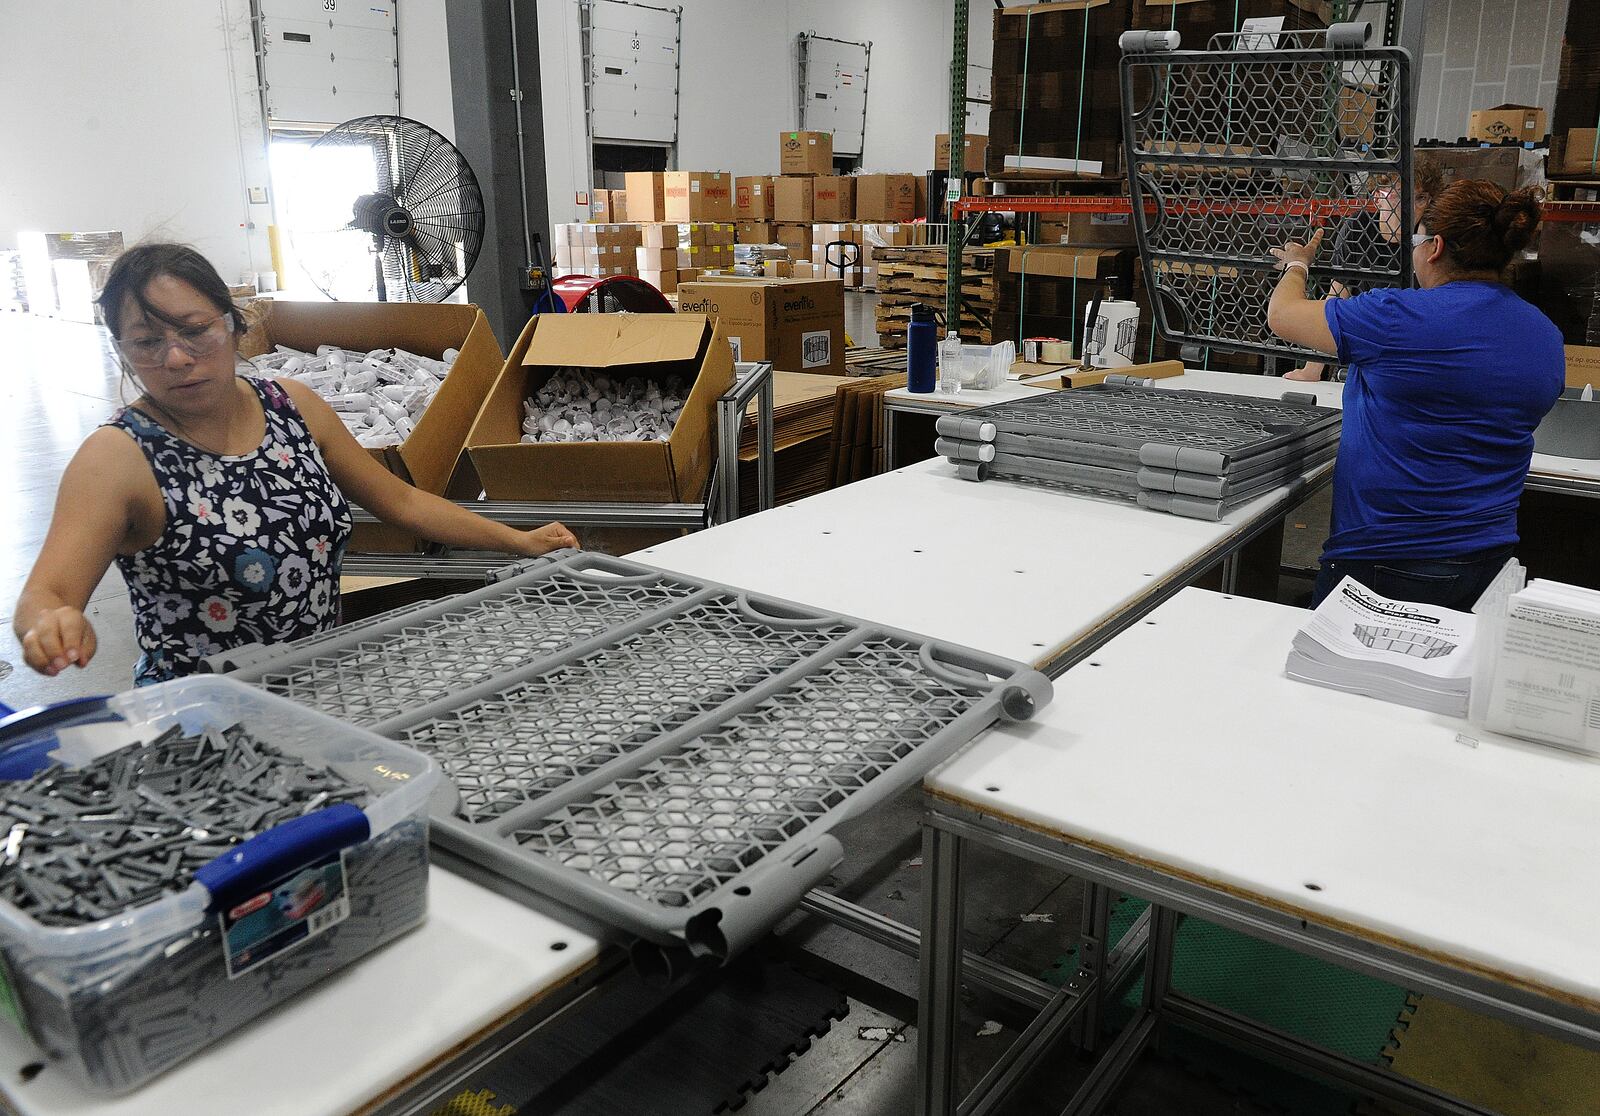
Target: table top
{"type": "Point", "coordinates": [1015, 570]}
{"type": "Point", "coordinates": [965, 398]}
{"type": "Point", "coordinates": [1181, 745]}
{"type": "Point", "coordinates": [478, 960]}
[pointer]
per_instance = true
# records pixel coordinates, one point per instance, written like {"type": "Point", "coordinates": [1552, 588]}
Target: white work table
{"type": "Point", "coordinates": [1180, 765]}
{"type": "Point", "coordinates": [367, 1036]}
{"type": "Point", "coordinates": [1026, 572]}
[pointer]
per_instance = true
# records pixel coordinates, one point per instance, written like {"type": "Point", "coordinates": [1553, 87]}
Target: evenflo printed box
{"type": "Point", "coordinates": [796, 324]}
{"type": "Point", "coordinates": [651, 346]}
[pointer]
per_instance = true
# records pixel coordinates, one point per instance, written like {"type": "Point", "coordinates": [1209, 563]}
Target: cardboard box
{"type": "Point", "coordinates": [974, 151]}
{"type": "Point", "coordinates": [796, 238]}
{"type": "Point", "coordinates": [1089, 230]}
{"type": "Point", "coordinates": [652, 346]}
{"type": "Point", "coordinates": [429, 457]}
{"type": "Point", "coordinates": [664, 281]}
{"type": "Point", "coordinates": [752, 198]}
{"type": "Point", "coordinates": [698, 196]}
{"type": "Point", "coordinates": [719, 232]}
{"type": "Point", "coordinates": [1059, 261]}
{"type": "Point", "coordinates": [834, 198]}
{"type": "Point", "coordinates": [803, 269]}
{"type": "Point", "coordinates": [886, 197]}
{"type": "Point", "coordinates": [655, 259]}
{"type": "Point", "coordinates": [1519, 123]}
{"type": "Point", "coordinates": [658, 236]}
{"type": "Point", "coordinates": [688, 275]}
{"type": "Point", "coordinates": [794, 199]}
{"type": "Point", "coordinates": [1583, 365]}
{"type": "Point", "coordinates": [796, 324]}
{"type": "Point", "coordinates": [753, 232]}
{"type": "Point", "coordinates": [692, 233]}
{"type": "Point", "coordinates": [777, 269]}
{"type": "Point", "coordinates": [619, 205]}
{"type": "Point", "coordinates": [805, 153]}
{"type": "Point", "coordinates": [1491, 164]}
{"type": "Point", "coordinates": [1575, 153]}
{"type": "Point", "coordinates": [646, 192]}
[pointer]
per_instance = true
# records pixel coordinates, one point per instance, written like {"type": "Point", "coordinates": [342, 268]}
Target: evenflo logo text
{"type": "Point", "coordinates": [698, 306]}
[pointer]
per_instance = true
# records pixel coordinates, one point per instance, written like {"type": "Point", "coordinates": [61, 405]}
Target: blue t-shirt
{"type": "Point", "coordinates": [1445, 388]}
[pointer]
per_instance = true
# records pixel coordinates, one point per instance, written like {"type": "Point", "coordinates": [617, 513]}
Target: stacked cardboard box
{"type": "Point", "coordinates": [1073, 112]}
{"type": "Point", "coordinates": [697, 196]}
{"type": "Point", "coordinates": [886, 197]}
{"type": "Point", "coordinates": [598, 250]}
{"type": "Point", "coordinates": [608, 207]}
{"type": "Point", "coordinates": [974, 150]}
{"type": "Point", "coordinates": [805, 153]}
{"type": "Point", "coordinates": [834, 198]}
{"type": "Point", "coordinates": [845, 240]}
{"type": "Point", "coordinates": [41, 251]}
{"type": "Point", "coordinates": [705, 245]}
{"type": "Point", "coordinates": [752, 198]}
{"type": "Point", "coordinates": [1573, 140]}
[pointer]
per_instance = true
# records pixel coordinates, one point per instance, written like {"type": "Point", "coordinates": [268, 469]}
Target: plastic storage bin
{"type": "Point", "coordinates": [121, 999]}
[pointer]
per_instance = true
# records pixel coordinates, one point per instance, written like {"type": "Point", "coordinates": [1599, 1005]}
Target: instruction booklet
{"type": "Point", "coordinates": [1543, 680]}
{"type": "Point", "coordinates": [1410, 654]}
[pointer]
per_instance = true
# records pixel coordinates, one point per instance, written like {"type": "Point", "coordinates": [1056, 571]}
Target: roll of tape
{"type": "Point", "coordinates": [1055, 352]}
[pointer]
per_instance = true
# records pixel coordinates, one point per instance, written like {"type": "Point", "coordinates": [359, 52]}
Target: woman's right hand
{"type": "Point", "coordinates": [58, 638]}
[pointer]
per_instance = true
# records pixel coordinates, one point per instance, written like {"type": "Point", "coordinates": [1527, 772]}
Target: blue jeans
{"type": "Point", "coordinates": [1448, 582]}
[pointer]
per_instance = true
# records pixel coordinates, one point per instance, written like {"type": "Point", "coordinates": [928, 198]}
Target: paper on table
{"type": "Point", "coordinates": [1546, 684]}
{"type": "Point", "coordinates": [1412, 654]}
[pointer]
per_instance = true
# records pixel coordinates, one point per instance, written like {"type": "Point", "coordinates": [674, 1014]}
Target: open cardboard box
{"type": "Point", "coordinates": [428, 458]}
{"type": "Point", "coordinates": [653, 346]}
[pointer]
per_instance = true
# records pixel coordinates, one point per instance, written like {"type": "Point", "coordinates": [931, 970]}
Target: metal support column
{"type": "Point", "coordinates": [939, 1005]}
{"type": "Point", "coordinates": [1093, 946]}
{"type": "Point", "coordinates": [956, 179]}
{"type": "Point", "coordinates": [1409, 27]}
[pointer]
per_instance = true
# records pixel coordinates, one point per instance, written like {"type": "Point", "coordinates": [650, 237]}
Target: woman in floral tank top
{"type": "Point", "coordinates": [222, 498]}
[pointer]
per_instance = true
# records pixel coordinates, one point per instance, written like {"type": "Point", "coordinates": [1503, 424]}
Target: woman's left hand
{"type": "Point", "coordinates": [542, 540]}
{"type": "Point", "coordinates": [1295, 252]}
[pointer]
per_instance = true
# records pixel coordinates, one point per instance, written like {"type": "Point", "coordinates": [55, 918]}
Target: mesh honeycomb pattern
{"type": "Point", "coordinates": [1253, 142]}
{"type": "Point", "coordinates": [392, 673]}
{"type": "Point", "coordinates": [686, 824]}
{"type": "Point", "coordinates": [535, 736]}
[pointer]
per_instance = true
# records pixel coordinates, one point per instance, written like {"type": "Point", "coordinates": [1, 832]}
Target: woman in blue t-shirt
{"type": "Point", "coordinates": [1446, 386]}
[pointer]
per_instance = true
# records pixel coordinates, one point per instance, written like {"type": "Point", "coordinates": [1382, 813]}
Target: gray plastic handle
{"type": "Point", "coordinates": [959, 451]}
{"type": "Point", "coordinates": [1349, 36]}
{"type": "Point", "coordinates": [1148, 42]}
{"type": "Point", "coordinates": [965, 427]}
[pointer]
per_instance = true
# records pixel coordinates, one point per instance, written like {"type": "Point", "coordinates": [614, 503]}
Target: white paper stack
{"type": "Point", "coordinates": [1397, 651]}
{"type": "Point", "coordinates": [1544, 677]}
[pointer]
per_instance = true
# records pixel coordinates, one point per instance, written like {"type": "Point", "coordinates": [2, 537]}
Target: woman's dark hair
{"type": "Point", "coordinates": [135, 269]}
{"type": "Point", "coordinates": [1428, 177]}
{"type": "Point", "coordinates": [1482, 225]}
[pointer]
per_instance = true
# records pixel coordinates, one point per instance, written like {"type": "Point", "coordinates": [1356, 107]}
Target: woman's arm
{"type": "Point", "coordinates": [1290, 314]}
{"type": "Point", "coordinates": [397, 503]}
{"type": "Point", "coordinates": [93, 516]}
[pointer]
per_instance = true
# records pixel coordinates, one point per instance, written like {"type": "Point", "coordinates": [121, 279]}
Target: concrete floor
{"type": "Point", "coordinates": [59, 380]}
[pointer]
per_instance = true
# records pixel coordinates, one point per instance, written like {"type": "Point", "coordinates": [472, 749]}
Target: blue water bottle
{"type": "Point", "coordinates": [922, 340]}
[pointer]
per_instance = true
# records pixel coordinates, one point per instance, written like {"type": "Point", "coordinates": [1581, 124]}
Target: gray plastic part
{"type": "Point", "coordinates": [1299, 397]}
{"type": "Point", "coordinates": [664, 754]}
{"type": "Point", "coordinates": [971, 470]}
{"type": "Point", "coordinates": [1142, 42]}
{"type": "Point", "coordinates": [958, 451]}
{"type": "Point", "coordinates": [1349, 36]}
{"type": "Point", "coordinates": [1236, 149]}
{"type": "Point", "coordinates": [965, 427]}
{"type": "Point", "coordinates": [1120, 379]}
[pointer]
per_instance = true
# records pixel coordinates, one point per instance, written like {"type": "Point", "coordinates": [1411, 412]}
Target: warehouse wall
{"type": "Point", "coordinates": [736, 97]}
{"type": "Point", "coordinates": [139, 117]}
{"type": "Point", "coordinates": [1482, 53]}
{"type": "Point", "coordinates": [145, 118]}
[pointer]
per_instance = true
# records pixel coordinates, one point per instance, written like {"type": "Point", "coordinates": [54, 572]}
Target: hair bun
{"type": "Point", "coordinates": [1516, 217]}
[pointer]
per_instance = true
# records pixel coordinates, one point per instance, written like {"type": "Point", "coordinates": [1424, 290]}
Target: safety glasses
{"type": "Point", "coordinates": [201, 339]}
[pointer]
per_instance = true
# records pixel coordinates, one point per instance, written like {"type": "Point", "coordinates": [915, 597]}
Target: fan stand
{"type": "Point", "coordinates": [377, 266]}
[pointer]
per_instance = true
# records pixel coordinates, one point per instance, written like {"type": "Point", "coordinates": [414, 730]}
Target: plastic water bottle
{"type": "Point", "coordinates": [920, 345]}
{"type": "Point", "coordinates": [950, 364]}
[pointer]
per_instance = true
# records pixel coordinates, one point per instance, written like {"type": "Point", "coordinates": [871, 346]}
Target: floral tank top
{"type": "Point", "coordinates": [251, 547]}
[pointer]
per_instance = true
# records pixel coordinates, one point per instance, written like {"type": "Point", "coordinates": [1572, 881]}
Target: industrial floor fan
{"type": "Point", "coordinates": [419, 219]}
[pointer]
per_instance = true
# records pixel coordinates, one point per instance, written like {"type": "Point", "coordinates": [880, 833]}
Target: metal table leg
{"type": "Point", "coordinates": [888, 438]}
{"type": "Point", "coordinates": [939, 1003]}
{"type": "Point", "coordinates": [1093, 944]}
